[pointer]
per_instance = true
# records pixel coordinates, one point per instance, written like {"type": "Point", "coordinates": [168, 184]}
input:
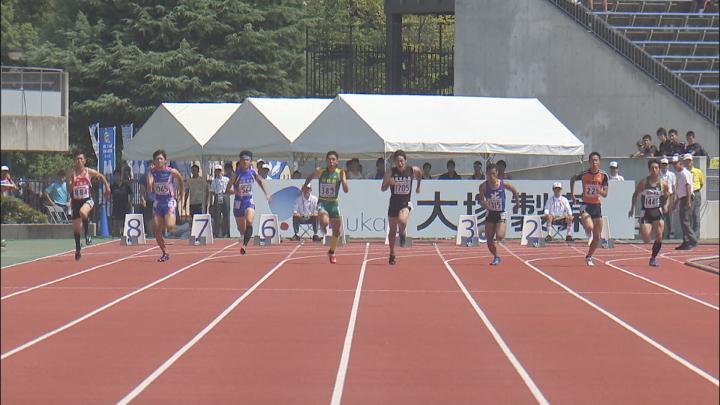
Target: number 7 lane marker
{"type": "Point", "coordinates": [169, 362]}
{"type": "Point", "coordinates": [539, 397]}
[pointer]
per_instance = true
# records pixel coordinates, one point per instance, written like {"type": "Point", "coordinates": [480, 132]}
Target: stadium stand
{"type": "Point", "coordinates": [685, 41]}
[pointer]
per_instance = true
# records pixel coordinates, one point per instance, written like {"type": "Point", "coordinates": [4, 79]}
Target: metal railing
{"type": "Point", "coordinates": [641, 59]}
{"type": "Point", "coordinates": [34, 91]}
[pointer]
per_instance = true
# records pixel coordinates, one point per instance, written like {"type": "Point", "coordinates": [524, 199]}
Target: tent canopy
{"type": "Point", "coordinates": [366, 126]}
{"type": "Point", "coordinates": [265, 126]}
{"type": "Point", "coordinates": [181, 129]}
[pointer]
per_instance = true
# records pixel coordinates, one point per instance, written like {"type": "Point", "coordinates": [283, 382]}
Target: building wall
{"type": "Point", "coordinates": [34, 132]}
{"type": "Point", "coordinates": [532, 49]}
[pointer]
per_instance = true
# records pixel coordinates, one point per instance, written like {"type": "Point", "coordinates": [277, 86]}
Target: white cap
{"type": "Point", "coordinates": [675, 158]}
{"type": "Point", "coordinates": [3, 168]}
{"type": "Point", "coordinates": [687, 156]}
{"type": "Point", "coordinates": [309, 186]}
{"type": "Point", "coordinates": [613, 164]}
{"type": "Point", "coordinates": [265, 166]}
{"type": "Point", "coordinates": [664, 161]}
{"type": "Point", "coordinates": [218, 167]}
{"type": "Point", "coordinates": [557, 184]}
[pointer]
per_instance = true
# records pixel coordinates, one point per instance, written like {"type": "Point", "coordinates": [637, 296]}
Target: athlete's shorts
{"type": "Point", "coordinates": [594, 210]}
{"type": "Point", "coordinates": [396, 206]}
{"type": "Point", "coordinates": [650, 215]}
{"type": "Point", "coordinates": [162, 208]}
{"type": "Point", "coordinates": [496, 217]}
{"type": "Point", "coordinates": [240, 206]}
{"type": "Point", "coordinates": [77, 204]}
{"type": "Point", "coordinates": [331, 207]}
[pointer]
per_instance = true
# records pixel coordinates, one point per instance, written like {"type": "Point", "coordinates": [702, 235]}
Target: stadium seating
{"type": "Point", "coordinates": [671, 31]}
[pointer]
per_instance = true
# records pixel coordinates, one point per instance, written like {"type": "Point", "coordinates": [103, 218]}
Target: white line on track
{"type": "Point", "coordinates": [539, 397]}
{"type": "Point", "coordinates": [76, 274]}
{"type": "Point", "coordinates": [622, 323]}
{"type": "Point", "coordinates": [169, 362]}
{"type": "Point", "coordinates": [610, 263]}
{"type": "Point", "coordinates": [104, 307]}
{"type": "Point", "coordinates": [345, 357]}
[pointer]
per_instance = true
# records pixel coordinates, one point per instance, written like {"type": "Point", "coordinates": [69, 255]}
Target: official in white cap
{"type": "Point", "coordinates": [614, 172]}
{"type": "Point", "coordinates": [668, 177]}
{"type": "Point", "coordinates": [8, 185]}
{"type": "Point", "coordinates": [684, 201]}
{"type": "Point", "coordinates": [558, 212]}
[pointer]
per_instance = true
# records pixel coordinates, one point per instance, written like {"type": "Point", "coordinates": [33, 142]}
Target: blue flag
{"type": "Point", "coordinates": [106, 162]}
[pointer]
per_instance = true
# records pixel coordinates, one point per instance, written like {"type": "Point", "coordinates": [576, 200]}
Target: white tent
{"type": "Point", "coordinates": [365, 126]}
{"type": "Point", "coordinates": [265, 126]}
{"type": "Point", "coordinates": [181, 129]}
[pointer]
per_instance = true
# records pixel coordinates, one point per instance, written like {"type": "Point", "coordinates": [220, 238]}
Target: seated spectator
{"type": "Point", "coordinates": [693, 147]}
{"type": "Point", "coordinates": [662, 136]}
{"type": "Point", "coordinates": [477, 171]}
{"type": "Point", "coordinates": [9, 188]}
{"type": "Point", "coordinates": [56, 193]}
{"type": "Point", "coordinates": [305, 212]}
{"type": "Point", "coordinates": [614, 172]}
{"type": "Point", "coordinates": [558, 212]}
{"type": "Point", "coordinates": [379, 172]}
{"type": "Point", "coordinates": [353, 169]}
{"type": "Point", "coordinates": [450, 174]}
{"type": "Point", "coordinates": [426, 171]}
{"type": "Point", "coordinates": [674, 147]}
{"type": "Point", "coordinates": [646, 147]}
{"type": "Point", "coordinates": [501, 166]}
{"type": "Point", "coordinates": [297, 175]}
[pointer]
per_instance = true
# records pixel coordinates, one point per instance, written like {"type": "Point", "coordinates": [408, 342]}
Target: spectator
{"type": "Point", "coordinates": [8, 185]}
{"type": "Point", "coordinates": [614, 172]}
{"type": "Point", "coordinates": [477, 171]}
{"type": "Point", "coordinates": [450, 174]}
{"type": "Point", "coordinates": [56, 193]}
{"type": "Point", "coordinates": [195, 190]}
{"type": "Point", "coordinates": [693, 147]}
{"type": "Point", "coordinates": [662, 136]}
{"type": "Point", "coordinates": [122, 193]}
{"type": "Point", "coordinates": [147, 199]}
{"type": "Point", "coordinates": [501, 165]}
{"type": "Point", "coordinates": [668, 177]}
{"type": "Point", "coordinates": [297, 175]}
{"type": "Point", "coordinates": [426, 171]}
{"type": "Point", "coordinates": [646, 147]}
{"type": "Point", "coordinates": [220, 207]}
{"type": "Point", "coordinates": [305, 212]}
{"type": "Point", "coordinates": [379, 172]}
{"type": "Point", "coordinates": [558, 212]}
{"type": "Point", "coordinates": [353, 169]}
{"type": "Point", "coordinates": [674, 147]}
{"type": "Point", "coordinates": [684, 200]}
{"type": "Point", "coordinates": [698, 181]}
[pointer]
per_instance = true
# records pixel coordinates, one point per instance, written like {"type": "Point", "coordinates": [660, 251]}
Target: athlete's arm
{"type": "Point", "coordinates": [343, 180]}
{"type": "Point", "coordinates": [261, 183]}
{"type": "Point", "coordinates": [481, 194]}
{"type": "Point", "coordinates": [181, 182]}
{"type": "Point", "coordinates": [638, 190]}
{"type": "Point", "coordinates": [418, 177]}
{"type": "Point", "coordinates": [573, 179]}
{"type": "Point", "coordinates": [97, 174]}
{"type": "Point", "coordinates": [387, 180]}
{"type": "Point", "coordinates": [231, 184]}
{"type": "Point", "coordinates": [603, 189]}
{"type": "Point", "coordinates": [516, 197]}
{"type": "Point", "coordinates": [666, 193]}
{"type": "Point", "coordinates": [314, 174]}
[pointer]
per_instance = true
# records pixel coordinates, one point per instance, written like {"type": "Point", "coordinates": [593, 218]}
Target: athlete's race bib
{"type": "Point", "coordinates": [81, 192]}
{"type": "Point", "coordinates": [494, 204]}
{"type": "Point", "coordinates": [327, 190]}
{"type": "Point", "coordinates": [652, 199]}
{"type": "Point", "coordinates": [402, 186]}
{"type": "Point", "coordinates": [245, 190]}
{"type": "Point", "coordinates": [591, 190]}
{"type": "Point", "coordinates": [161, 189]}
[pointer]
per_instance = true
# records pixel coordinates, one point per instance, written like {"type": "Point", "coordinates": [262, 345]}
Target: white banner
{"type": "Point", "coordinates": [438, 206]}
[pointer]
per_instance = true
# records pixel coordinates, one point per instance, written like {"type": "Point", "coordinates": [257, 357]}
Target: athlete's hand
{"type": "Point", "coordinates": [574, 200]}
{"type": "Point", "coordinates": [631, 212]}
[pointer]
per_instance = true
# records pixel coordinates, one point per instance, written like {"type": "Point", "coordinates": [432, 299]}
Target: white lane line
{"type": "Point", "coordinates": [663, 286]}
{"type": "Point", "coordinates": [104, 307]}
{"type": "Point", "coordinates": [622, 323]}
{"type": "Point", "coordinates": [345, 357]}
{"type": "Point", "coordinates": [76, 274]}
{"type": "Point", "coordinates": [169, 362]}
{"type": "Point", "coordinates": [539, 397]}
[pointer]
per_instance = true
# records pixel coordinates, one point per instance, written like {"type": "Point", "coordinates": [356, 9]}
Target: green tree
{"type": "Point", "coordinates": [18, 23]}
{"type": "Point", "coordinates": [126, 57]}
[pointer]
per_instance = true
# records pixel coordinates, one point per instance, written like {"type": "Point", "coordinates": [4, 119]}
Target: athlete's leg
{"type": "Point", "coordinates": [403, 217]}
{"type": "Point", "coordinates": [500, 230]}
{"type": "Point", "coordinates": [587, 223]}
{"type": "Point", "coordinates": [645, 230]}
{"type": "Point", "coordinates": [392, 231]}
{"type": "Point", "coordinates": [84, 215]}
{"type": "Point", "coordinates": [158, 223]}
{"type": "Point", "coordinates": [249, 218]}
{"type": "Point", "coordinates": [658, 228]}
{"type": "Point", "coordinates": [323, 220]}
{"type": "Point", "coordinates": [597, 226]}
{"type": "Point", "coordinates": [490, 234]}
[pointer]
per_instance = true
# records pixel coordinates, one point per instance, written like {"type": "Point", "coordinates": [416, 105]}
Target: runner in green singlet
{"type": "Point", "coordinates": [654, 203]}
{"type": "Point", "coordinates": [331, 178]}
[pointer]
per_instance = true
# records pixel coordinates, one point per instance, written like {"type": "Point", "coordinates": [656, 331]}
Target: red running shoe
{"type": "Point", "coordinates": [331, 255]}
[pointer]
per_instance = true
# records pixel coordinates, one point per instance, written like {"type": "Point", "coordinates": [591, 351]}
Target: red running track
{"type": "Point", "coordinates": [282, 325]}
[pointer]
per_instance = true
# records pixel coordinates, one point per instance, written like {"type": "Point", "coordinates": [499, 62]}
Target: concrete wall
{"type": "Point", "coordinates": [532, 49]}
{"type": "Point", "coordinates": [41, 231]}
{"type": "Point", "coordinates": [34, 132]}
